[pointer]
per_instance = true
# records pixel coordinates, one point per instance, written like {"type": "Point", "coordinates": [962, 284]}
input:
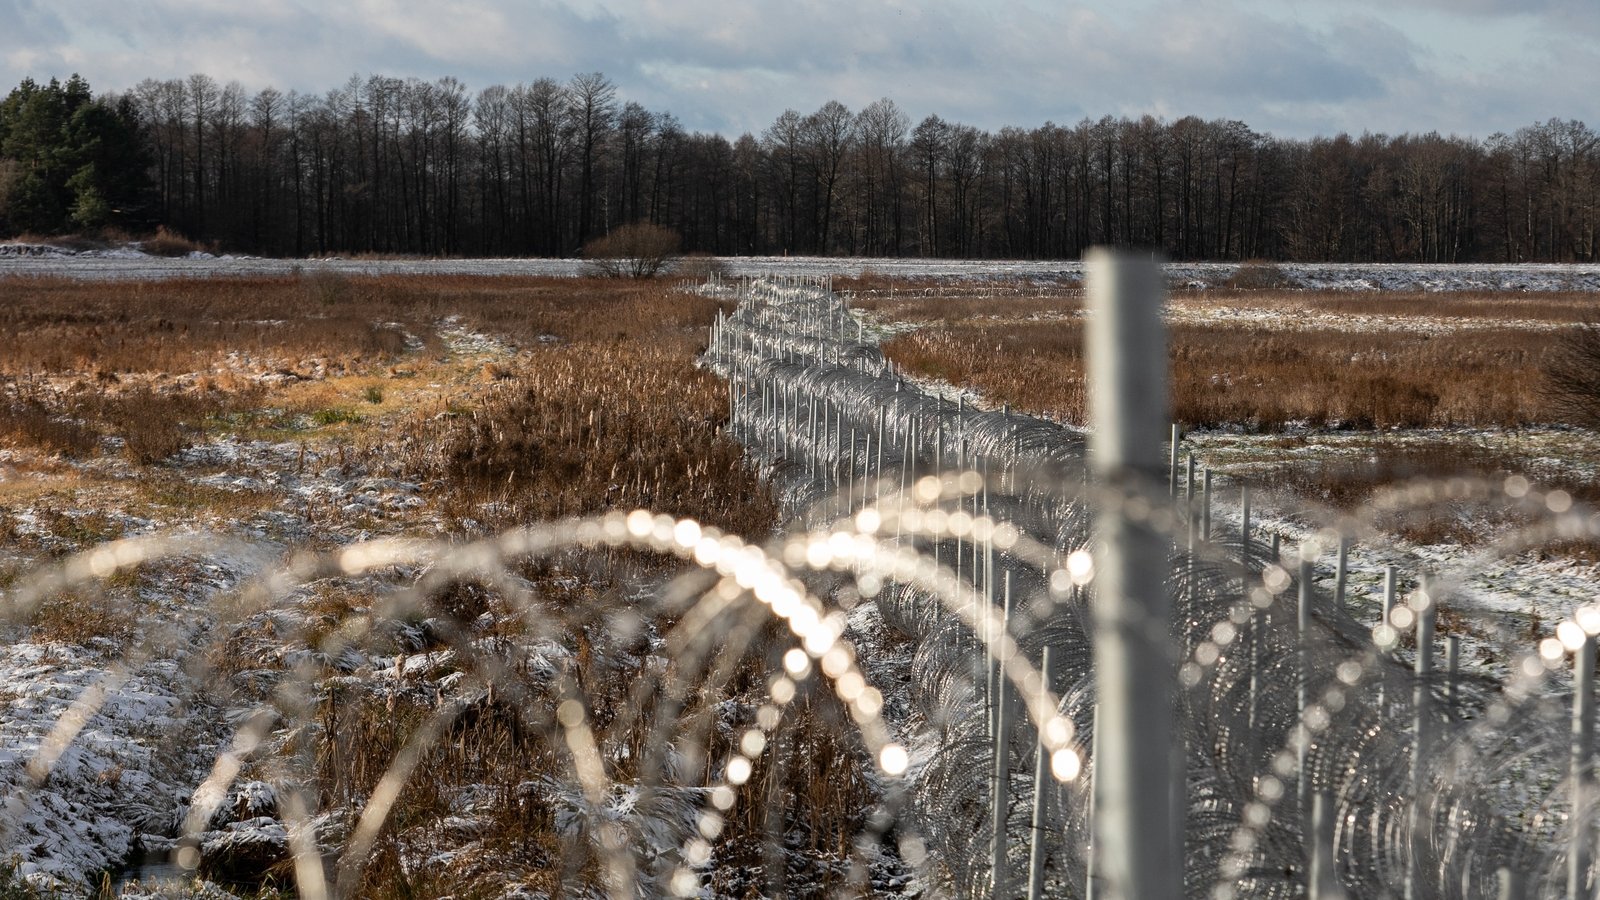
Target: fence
{"type": "Point", "coordinates": [1117, 686]}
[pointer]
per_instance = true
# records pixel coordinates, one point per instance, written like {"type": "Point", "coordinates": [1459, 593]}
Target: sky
{"type": "Point", "coordinates": [1291, 67]}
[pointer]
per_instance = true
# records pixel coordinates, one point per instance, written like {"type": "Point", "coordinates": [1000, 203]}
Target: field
{"type": "Point", "coordinates": [383, 614]}
{"type": "Point", "coordinates": [311, 413]}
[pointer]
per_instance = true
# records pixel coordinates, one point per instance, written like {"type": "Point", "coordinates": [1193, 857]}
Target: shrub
{"type": "Point", "coordinates": [640, 250]}
{"type": "Point", "coordinates": [169, 243]}
{"type": "Point", "coordinates": [1572, 375]}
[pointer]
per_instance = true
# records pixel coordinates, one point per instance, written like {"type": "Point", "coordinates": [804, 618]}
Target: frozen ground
{"type": "Point", "coordinates": [35, 260]}
{"type": "Point", "coordinates": [121, 788]}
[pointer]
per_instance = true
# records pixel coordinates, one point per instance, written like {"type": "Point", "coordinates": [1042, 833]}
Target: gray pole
{"type": "Point", "coordinates": [1578, 856]}
{"type": "Point", "coordinates": [1452, 673]}
{"type": "Point", "coordinates": [1391, 585]}
{"type": "Point", "coordinates": [1041, 794]}
{"type": "Point", "coordinates": [1302, 680]}
{"type": "Point", "coordinates": [1177, 435]}
{"type": "Point", "coordinates": [1133, 654]}
{"type": "Point", "coordinates": [1421, 697]}
{"type": "Point", "coordinates": [1205, 505]}
{"type": "Point", "coordinates": [1188, 500]}
{"type": "Point", "coordinates": [1390, 582]}
{"type": "Point", "coordinates": [1244, 529]}
{"type": "Point", "coordinates": [1510, 885]}
{"type": "Point", "coordinates": [1340, 574]}
{"type": "Point", "coordinates": [1002, 763]}
{"type": "Point", "coordinates": [1091, 879]}
{"type": "Point", "coordinates": [1321, 884]}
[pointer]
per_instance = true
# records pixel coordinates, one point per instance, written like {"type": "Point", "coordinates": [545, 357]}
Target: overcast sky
{"type": "Point", "coordinates": [1292, 67]}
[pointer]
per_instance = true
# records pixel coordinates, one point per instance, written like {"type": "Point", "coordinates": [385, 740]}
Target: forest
{"type": "Point", "coordinates": [404, 166]}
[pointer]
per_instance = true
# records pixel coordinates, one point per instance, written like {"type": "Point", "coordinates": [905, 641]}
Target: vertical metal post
{"type": "Point", "coordinates": [1426, 608]}
{"type": "Point", "coordinates": [850, 470]}
{"type": "Point", "coordinates": [1510, 884]}
{"type": "Point", "coordinates": [1452, 673]}
{"type": "Point", "coordinates": [1002, 760]}
{"type": "Point", "coordinates": [1386, 611]}
{"type": "Point", "coordinates": [1391, 589]}
{"type": "Point", "coordinates": [1580, 851]}
{"type": "Point", "coordinates": [1248, 571]}
{"type": "Point", "coordinates": [1205, 506]}
{"type": "Point", "coordinates": [1303, 678]}
{"type": "Point", "coordinates": [1244, 528]}
{"type": "Point", "coordinates": [1133, 653]}
{"type": "Point", "coordinates": [1091, 884]}
{"type": "Point", "coordinates": [1188, 500]}
{"type": "Point", "coordinates": [1177, 435]}
{"type": "Point", "coordinates": [1041, 794]}
{"type": "Point", "coordinates": [1341, 573]}
{"type": "Point", "coordinates": [1321, 883]}
{"type": "Point", "coordinates": [883, 432]}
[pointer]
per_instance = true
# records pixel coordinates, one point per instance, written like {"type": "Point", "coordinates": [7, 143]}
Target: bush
{"type": "Point", "coordinates": [170, 244]}
{"type": "Point", "coordinates": [1572, 375]}
{"type": "Point", "coordinates": [640, 250]}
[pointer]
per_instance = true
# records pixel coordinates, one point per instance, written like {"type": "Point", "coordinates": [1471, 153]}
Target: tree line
{"type": "Point", "coordinates": [408, 166]}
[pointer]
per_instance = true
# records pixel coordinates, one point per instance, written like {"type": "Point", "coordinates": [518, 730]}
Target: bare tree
{"type": "Point", "coordinates": [829, 132]}
{"type": "Point", "coordinates": [592, 100]}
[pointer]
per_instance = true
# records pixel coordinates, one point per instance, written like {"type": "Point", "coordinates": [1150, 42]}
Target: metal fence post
{"type": "Point", "coordinates": [1133, 653]}
{"type": "Point", "coordinates": [1041, 796]}
{"type": "Point", "coordinates": [1426, 609]}
{"type": "Point", "coordinates": [1303, 678]}
{"type": "Point", "coordinates": [1321, 883]}
{"type": "Point", "coordinates": [1580, 853]}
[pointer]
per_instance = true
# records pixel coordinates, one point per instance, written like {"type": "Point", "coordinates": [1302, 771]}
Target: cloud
{"type": "Point", "coordinates": [734, 67]}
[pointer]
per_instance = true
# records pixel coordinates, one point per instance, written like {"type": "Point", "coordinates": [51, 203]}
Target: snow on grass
{"type": "Point", "coordinates": [1520, 277]}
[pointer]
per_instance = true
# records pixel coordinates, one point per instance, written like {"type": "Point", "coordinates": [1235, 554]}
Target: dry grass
{"type": "Point", "coordinates": [1473, 307]}
{"type": "Point", "coordinates": [82, 616]}
{"type": "Point", "coordinates": [613, 415]}
{"type": "Point", "coordinates": [1422, 360]}
{"type": "Point", "coordinates": [596, 405]}
{"type": "Point", "coordinates": [177, 326]}
{"type": "Point", "coordinates": [171, 243]}
{"type": "Point", "coordinates": [1262, 377]}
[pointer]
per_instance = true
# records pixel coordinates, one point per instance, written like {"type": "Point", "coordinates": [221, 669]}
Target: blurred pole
{"type": "Point", "coordinates": [1390, 582]}
{"type": "Point", "coordinates": [1177, 435]}
{"type": "Point", "coordinates": [1002, 759]}
{"type": "Point", "coordinates": [1426, 608]}
{"type": "Point", "coordinates": [1510, 885]}
{"type": "Point", "coordinates": [1452, 673]}
{"type": "Point", "coordinates": [883, 434]}
{"type": "Point", "coordinates": [1244, 534]}
{"type": "Point", "coordinates": [1190, 506]}
{"type": "Point", "coordinates": [1321, 883]}
{"type": "Point", "coordinates": [1133, 653]}
{"type": "Point", "coordinates": [1303, 681]}
{"type": "Point", "coordinates": [1042, 785]}
{"type": "Point", "coordinates": [1091, 886]}
{"type": "Point", "coordinates": [1579, 854]}
{"type": "Point", "coordinates": [1248, 571]}
{"type": "Point", "coordinates": [1341, 573]}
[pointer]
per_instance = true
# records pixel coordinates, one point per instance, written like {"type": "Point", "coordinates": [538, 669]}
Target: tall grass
{"type": "Point", "coordinates": [1260, 376]}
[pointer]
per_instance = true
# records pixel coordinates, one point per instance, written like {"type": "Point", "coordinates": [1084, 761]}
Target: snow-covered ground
{"type": "Point", "coordinates": [121, 788]}
{"type": "Point", "coordinates": [129, 263]}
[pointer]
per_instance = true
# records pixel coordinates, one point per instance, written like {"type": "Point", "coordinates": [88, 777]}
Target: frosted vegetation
{"type": "Point", "coordinates": [780, 631]}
